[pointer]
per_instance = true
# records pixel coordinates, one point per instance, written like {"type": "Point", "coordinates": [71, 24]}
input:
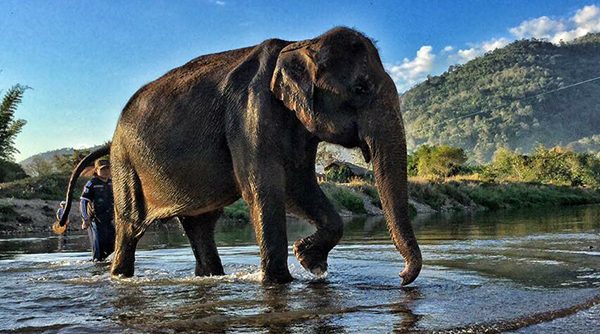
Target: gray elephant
{"type": "Point", "coordinates": [247, 123]}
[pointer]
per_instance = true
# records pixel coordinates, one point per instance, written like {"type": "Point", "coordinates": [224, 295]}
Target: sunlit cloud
{"type": "Point", "coordinates": [586, 20]}
{"type": "Point", "coordinates": [476, 50]}
{"type": "Point", "coordinates": [541, 27]}
{"type": "Point", "coordinates": [410, 72]}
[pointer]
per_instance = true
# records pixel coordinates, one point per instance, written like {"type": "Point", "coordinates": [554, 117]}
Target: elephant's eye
{"type": "Point", "coordinates": [361, 88]}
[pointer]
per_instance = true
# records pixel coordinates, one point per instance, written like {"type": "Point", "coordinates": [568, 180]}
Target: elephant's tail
{"type": "Point", "coordinates": [59, 226]}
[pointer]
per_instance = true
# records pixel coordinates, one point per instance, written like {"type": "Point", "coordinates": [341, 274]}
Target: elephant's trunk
{"type": "Point", "coordinates": [387, 144]}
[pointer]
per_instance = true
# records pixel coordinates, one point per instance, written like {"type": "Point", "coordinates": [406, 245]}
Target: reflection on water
{"type": "Point", "coordinates": [534, 271]}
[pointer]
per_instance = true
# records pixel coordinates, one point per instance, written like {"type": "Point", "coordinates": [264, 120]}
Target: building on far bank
{"type": "Point", "coordinates": [343, 171]}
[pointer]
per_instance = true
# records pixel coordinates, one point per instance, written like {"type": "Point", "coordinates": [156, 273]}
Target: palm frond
{"type": "Point", "coordinates": [9, 127]}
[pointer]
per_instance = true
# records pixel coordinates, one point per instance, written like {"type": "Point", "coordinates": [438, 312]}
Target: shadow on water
{"type": "Point", "coordinates": [528, 270]}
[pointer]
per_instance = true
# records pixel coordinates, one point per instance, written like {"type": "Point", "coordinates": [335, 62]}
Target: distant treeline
{"type": "Point", "coordinates": [556, 166]}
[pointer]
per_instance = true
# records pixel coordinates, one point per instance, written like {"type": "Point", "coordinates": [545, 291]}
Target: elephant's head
{"type": "Point", "coordinates": [339, 90]}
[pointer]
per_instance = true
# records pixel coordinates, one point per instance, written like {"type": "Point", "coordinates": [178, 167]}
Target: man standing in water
{"type": "Point", "coordinates": [97, 211]}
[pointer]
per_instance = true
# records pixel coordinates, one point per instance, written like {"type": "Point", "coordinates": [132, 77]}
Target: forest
{"type": "Point", "coordinates": [526, 94]}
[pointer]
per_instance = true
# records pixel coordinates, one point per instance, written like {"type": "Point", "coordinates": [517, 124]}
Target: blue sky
{"type": "Point", "coordinates": [84, 59]}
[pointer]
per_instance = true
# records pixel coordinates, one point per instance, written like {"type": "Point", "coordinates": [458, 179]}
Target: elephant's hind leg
{"type": "Point", "coordinates": [130, 215]}
{"type": "Point", "coordinates": [125, 245]}
{"type": "Point", "coordinates": [200, 230]}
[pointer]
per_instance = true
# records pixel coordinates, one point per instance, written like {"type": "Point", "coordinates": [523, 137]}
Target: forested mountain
{"type": "Point", "coordinates": [48, 155]}
{"type": "Point", "coordinates": [506, 88]}
{"type": "Point", "coordinates": [46, 160]}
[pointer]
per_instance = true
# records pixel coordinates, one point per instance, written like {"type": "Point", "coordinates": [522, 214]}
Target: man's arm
{"type": "Point", "coordinates": [86, 197]}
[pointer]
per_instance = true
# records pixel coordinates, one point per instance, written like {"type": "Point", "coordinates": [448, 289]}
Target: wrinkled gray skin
{"type": "Point", "coordinates": [247, 123]}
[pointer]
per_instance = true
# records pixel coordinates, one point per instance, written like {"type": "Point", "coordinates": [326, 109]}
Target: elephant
{"type": "Point", "coordinates": [246, 123]}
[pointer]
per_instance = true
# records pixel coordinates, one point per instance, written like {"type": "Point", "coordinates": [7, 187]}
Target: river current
{"type": "Point", "coordinates": [528, 271]}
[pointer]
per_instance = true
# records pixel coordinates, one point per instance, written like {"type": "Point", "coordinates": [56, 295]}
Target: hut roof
{"type": "Point", "coordinates": [356, 170]}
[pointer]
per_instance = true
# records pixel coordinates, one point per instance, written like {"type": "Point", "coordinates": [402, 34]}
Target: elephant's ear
{"type": "Point", "coordinates": [293, 81]}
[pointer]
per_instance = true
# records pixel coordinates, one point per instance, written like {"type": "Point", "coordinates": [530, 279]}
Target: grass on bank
{"type": "Point", "coordinates": [494, 196]}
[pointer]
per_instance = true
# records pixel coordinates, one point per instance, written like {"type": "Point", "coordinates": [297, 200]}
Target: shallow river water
{"type": "Point", "coordinates": [529, 271]}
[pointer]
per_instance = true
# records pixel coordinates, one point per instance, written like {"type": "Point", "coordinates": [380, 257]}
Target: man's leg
{"type": "Point", "coordinates": [94, 241]}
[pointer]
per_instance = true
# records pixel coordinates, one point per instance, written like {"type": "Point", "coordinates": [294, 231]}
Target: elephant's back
{"type": "Point", "coordinates": [186, 93]}
{"type": "Point", "coordinates": [200, 76]}
{"type": "Point", "coordinates": [206, 69]}
{"type": "Point", "coordinates": [172, 133]}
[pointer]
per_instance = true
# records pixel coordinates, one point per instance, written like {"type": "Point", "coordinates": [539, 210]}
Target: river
{"type": "Point", "coordinates": [529, 271]}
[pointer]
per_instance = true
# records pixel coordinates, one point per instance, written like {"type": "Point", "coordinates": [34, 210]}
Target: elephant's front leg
{"type": "Point", "coordinates": [265, 194]}
{"type": "Point", "coordinates": [307, 200]}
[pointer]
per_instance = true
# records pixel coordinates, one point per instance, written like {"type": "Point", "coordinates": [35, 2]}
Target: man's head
{"type": "Point", "coordinates": [102, 168]}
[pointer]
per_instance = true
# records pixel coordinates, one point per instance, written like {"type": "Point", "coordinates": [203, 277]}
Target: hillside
{"type": "Point", "coordinates": [503, 87]}
{"type": "Point", "coordinates": [48, 155]}
{"type": "Point", "coordinates": [27, 164]}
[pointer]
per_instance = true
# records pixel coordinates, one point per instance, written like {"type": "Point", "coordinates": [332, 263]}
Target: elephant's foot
{"type": "Point", "coordinates": [124, 260]}
{"type": "Point", "coordinates": [279, 277]}
{"type": "Point", "coordinates": [311, 257]}
{"type": "Point", "coordinates": [213, 270]}
{"type": "Point", "coordinates": [122, 268]}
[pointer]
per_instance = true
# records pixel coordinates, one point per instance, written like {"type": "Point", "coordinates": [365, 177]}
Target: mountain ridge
{"type": "Point", "coordinates": [500, 100]}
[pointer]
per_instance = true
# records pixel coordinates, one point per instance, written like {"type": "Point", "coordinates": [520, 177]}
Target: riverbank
{"type": "Point", "coordinates": [29, 205]}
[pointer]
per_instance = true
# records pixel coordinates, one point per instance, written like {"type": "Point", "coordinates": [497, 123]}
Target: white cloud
{"type": "Point", "coordinates": [410, 72]}
{"type": "Point", "coordinates": [218, 2]}
{"type": "Point", "coordinates": [476, 50]}
{"type": "Point", "coordinates": [585, 20]}
{"type": "Point", "coordinates": [494, 44]}
{"type": "Point", "coordinates": [588, 18]}
{"type": "Point", "coordinates": [541, 27]}
{"type": "Point", "coordinates": [464, 55]}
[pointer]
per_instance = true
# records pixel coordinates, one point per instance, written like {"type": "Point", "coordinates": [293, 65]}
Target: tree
{"type": "Point", "coordinates": [40, 167]}
{"type": "Point", "coordinates": [558, 166]}
{"type": "Point", "coordinates": [10, 127]}
{"type": "Point", "coordinates": [437, 161]}
{"type": "Point", "coordinates": [11, 171]}
{"type": "Point", "coordinates": [422, 152]}
{"type": "Point", "coordinates": [445, 161]}
{"type": "Point", "coordinates": [65, 163]}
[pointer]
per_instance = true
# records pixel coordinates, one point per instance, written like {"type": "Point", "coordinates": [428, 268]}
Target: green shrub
{"type": "Point", "coordinates": [555, 166]}
{"type": "Point", "coordinates": [7, 213]}
{"type": "Point", "coordinates": [427, 193]}
{"type": "Point", "coordinates": [237, 211]}
{"type": "Point", "coordinates": [342, 197]}
{"type": "Point", "coordinates": [454, 191]}
{"type": "Point", "coordinates": [436, 161]}
{"type": "Point", "coordinates": [340, 174]}
{"type": "Point", "coordinates": [412, 211]}
{"type": "Point", "coordinates": [11, 171]}
{"type": "Point", "coordinates": [369, 190]}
